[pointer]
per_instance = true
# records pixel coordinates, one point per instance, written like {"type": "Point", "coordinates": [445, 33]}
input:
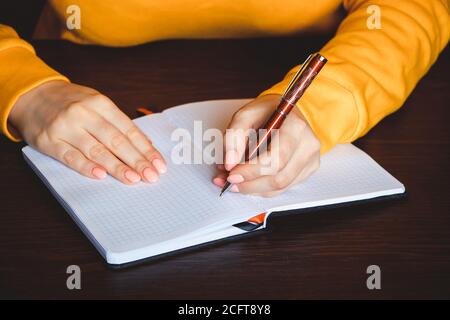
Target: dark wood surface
{"type": "Point", "coordinates": [313, 255]}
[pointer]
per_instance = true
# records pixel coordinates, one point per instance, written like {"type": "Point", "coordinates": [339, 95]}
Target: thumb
{"type": "Point", "coordinates": [243, 126]}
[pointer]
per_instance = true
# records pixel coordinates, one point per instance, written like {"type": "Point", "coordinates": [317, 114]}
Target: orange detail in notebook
{"type": "Point", "coordinates": [259, 219]}
{"type": "Point", "coordinates": [144, 110]}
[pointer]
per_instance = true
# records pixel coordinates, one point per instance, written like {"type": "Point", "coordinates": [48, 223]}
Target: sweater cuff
{"type": "Point", "coordinates": [20, 71]}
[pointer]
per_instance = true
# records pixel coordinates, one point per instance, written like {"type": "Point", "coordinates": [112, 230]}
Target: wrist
{"type": "Point", "coordinates": [27, 103]}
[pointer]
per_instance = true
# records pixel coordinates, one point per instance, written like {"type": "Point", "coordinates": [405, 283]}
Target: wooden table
{"type": "Point", "coordinates": [318, 255]}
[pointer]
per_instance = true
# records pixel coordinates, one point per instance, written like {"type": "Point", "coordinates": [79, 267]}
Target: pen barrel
{"type": "Point", "coordinates": [296, 88]}
{"type": "Point", "coordinates": [302, 80]}
{"type": "Point", "coordinates": [273, 123]}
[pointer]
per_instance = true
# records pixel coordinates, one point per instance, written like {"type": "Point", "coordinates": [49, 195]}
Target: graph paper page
{"type": "Point", "coordinates": [123, 218]}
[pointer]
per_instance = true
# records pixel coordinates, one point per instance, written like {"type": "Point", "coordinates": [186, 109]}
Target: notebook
{"type": "Point", "coordinates": [183, 209]}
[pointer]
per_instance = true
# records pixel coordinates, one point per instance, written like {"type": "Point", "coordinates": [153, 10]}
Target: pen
{"type": "Point", "coordinates": [294, 91]}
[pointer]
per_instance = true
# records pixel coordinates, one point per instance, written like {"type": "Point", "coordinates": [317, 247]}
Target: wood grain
{"type": "Point", "coordinates": [314, 255]}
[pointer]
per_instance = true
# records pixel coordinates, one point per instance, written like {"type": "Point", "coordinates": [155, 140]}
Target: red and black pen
{"type": "Point", "coordinates": [295, 90]}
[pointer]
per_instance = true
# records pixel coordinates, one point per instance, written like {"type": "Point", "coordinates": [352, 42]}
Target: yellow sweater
{"type": "Point", "coordinates": [370, 72]}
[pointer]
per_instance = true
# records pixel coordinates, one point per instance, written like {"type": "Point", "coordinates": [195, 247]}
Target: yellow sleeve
{"type": "Point", "coordinates": [371, 72]}
{"type": "Point", "coordinates": [20, 71]}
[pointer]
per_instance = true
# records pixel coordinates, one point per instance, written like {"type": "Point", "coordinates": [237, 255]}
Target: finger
{"type": "Point", "coordinates": [145, 147]}
{"type": "Point", "coordinates": [304, 175]}
{"type": "Point", "coordinates": [120, 146]}
{"type": "Point", "coordinates": [274, 184]}
{"type": "Point", "coordinates": [74, 159]}
{"type": "Point", "coordinates": [305, 161]}
{"type": "Point", "coordinates": [236, 136]}
{"type": "Point", "coordinates": [220, 181]}
{"type": "Point", "coordinates": [284, 144]}
{"type": "Point", "coordinates": [99, 153]}
{"type": "Point", "coordinates": [112, 114]}
{"type": "Point", "coordinates": [250, 116]}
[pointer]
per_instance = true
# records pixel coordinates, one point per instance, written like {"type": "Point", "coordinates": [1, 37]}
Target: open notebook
{"type": "Point", "coordinates": [129, 223]}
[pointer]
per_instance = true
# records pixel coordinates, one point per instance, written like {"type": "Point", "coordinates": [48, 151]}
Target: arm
{"type": "Point", "coordinates": [370, 73]}
{"type": "Point", "coordinates": [73, 124]}
{"type": "Point", "coordinates": [20, 71]}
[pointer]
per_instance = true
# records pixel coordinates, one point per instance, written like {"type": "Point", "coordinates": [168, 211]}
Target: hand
{"type": "Point", "coordinates": [87, 132]}
{"type": "Point", "coordinates": [292, 160]}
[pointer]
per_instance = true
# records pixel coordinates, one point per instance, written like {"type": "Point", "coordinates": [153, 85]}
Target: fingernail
{"type": "Point", "coordinates": [132, 176]}
{"type": "Point", "coordinates": [150, 175]}
{"type": "Point", "coordinates": [231, 159]}
{"type": "Point", "coordinates": [99, 173]}
{"type": "Point", "coordinates": [235, 178]}
{"type": "Point", "coordinates": [234, 188]}
{"type": "Point", "coordinates": [160, 165]}
{"type": "Point", "coordinates": [219, 182]}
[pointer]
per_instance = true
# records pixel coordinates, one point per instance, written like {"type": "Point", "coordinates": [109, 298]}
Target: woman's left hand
{"type": "Point", "coordinates": [290, 161]}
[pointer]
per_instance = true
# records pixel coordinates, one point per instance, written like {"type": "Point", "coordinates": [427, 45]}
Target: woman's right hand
{"type": "Point", "coordinates": [86, 131]}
